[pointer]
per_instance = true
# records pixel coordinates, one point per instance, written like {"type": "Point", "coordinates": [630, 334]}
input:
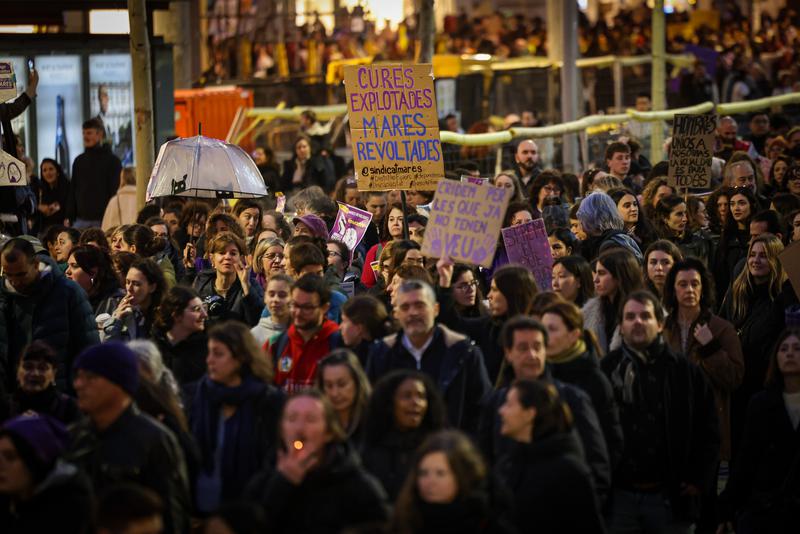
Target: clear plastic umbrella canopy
{"type": "Point", "coordinates": [204, 167]}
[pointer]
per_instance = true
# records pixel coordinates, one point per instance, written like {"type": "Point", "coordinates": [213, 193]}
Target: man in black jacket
{"type": "Point", "coordinates": [38, 302]}
{"type": "Point", "coordinates": [118, 443]}
{"type": "Point", "coordinates": [524, 343]}
{"type": "Point", "coordinates": [451, 359]}
{"type": "Point", "coordinates": [95, 178]}
{"type": "Point", "coordinates": [669, 420]}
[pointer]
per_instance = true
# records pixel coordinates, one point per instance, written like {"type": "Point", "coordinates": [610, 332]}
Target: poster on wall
{"type": "Point", "coordinates": [59, 109]}
{"type": "Point", "coordinates": [20, 123]}
{"type": "Point", "coordinates": [111, 101]}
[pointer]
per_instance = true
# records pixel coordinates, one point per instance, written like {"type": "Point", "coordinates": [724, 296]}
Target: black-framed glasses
{"type": "Point", "coordinates": [466, 286]}
{"type": "Point", "coordinates": [303, 307]}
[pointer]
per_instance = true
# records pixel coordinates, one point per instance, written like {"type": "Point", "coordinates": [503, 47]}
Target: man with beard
{"type": "Point", "coordinates": [669, 423]}
{"type": "Point", "coordinates": [310, 336]}
{"type": "Point", "coordinates": [451, 359]}
{"type": "Point", "coordinates": [526, 162]}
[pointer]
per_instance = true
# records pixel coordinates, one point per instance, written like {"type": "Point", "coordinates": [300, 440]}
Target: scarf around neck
{"type": "Point", "coordinates": [572, 353]}
{"type": "Point", "coordinates": [239, 460]}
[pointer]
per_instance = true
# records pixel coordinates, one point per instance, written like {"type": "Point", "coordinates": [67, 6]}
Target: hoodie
{"type": "Point", "coordinates": [296, 360]}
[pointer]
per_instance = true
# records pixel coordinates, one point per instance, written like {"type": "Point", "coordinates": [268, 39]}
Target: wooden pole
{"type": "Point", "coordinates": [142, 97]}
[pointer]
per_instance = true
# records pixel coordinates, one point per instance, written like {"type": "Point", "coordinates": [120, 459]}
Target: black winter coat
{"type": "Point", "coordinates": [552, 486]}
{"type": "Point", "coordinates": [462, 377]}
{"type": "Point", "coordinates": [61, 503]}
{"type": "Point", "coordinates": [485, 331]}
{"type": "Point", "coordinates": [587, 428]}
{"type": "Point", "coordinates": [690, 418]}
{"type": "Point", "coordinates": [316, 173]}
{"type": "Point", "coordinates": [486, 510]}
{"type": "Point", "coordinates": [764, 486]}
{"type": "Point", "coordinates": [237, 305]}
{"type": "Point", "coordinates": [94, 180]}
{"type": "Point", "coordinates": [48, 402]}
{"type": "Point", "coordinates": [187, 358]}
{"type": "Point", "coordinates": [391, 458]}
{"type": "Point", "coordinates": [136, 448]}
{"type": "Point", "coordinates": [585, 373]}
{"type": "Point", "coordinates": [55, 311]}
{"type": "Point", "coordinates": [758, 329]}
{"type": "Point", "coordinates": [337, 494]}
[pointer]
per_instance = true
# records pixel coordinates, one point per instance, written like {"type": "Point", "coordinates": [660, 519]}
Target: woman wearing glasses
{"type": "Point", "coordinates": [180, 334]}
{"type": "Point", "coordinates": [268, 259]}
{"type": "Point", "coordinates": [467, 294]}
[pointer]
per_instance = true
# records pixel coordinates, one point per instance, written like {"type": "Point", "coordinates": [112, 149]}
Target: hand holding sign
{"type": "Point", "coordinates": [465, 222]}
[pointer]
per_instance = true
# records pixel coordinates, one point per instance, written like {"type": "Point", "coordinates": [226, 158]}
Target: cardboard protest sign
{"type": "Point", "coordinates": [12, 170]}
{"type": "Point", "coordinates": [350, 226]}
{"type": "Point", "coordinates": [527, 245]}
{"type": "Point", "coordinates": [394, 127]}
{"type": "Point", "coordinates": [8, 81]}
{"type": "Point", "coordinates": [790, 260]}
{"type": "Point", "coordinates": [691, 151]}
{"type": "Point", "coordinates": [473, 179]}
{"type": "Point", "coordinates": [465, 222]}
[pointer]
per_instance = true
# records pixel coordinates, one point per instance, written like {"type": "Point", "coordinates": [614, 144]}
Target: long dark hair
{"type": "Point", "coordinates": [518, 286]}
{"type": "Point", "coordinates": [380, 411]}
{"type": "Point", "coordinates": [237, 337]}
{"type": "Point", "coordinates": [97, 263]}
{"type": "Point", "coordinates": [154, 275]}
{"type": "Point", "coordinates": [144, 239]}
{"type": "Point", "coordinates": [707, 293]}
{"type": "Point", "coordinates": [580, 269]}
{"type": "Point", "coordinates": [553, 416]}
{"type": "Point", "coordinates": [662, 212]}
{"type": "Point", "coordinates": [479, 308]}
{"type": "Point", "coordinates": [173, 303]}
{"type": "Point", "coordinates": [625, 269]}
{"type": "Point", "coordinates": [774, 376]}
{"type": "Point", "coordinates": [468, 467]}
{"type": "Point", "coordinates": [60, 175]}
{"type": "Point", "coordinates": [369, 312]}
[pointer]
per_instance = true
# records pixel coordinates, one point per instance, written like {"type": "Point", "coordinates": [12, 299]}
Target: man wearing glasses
{"type": "Point", "coordinates": [309, 338]}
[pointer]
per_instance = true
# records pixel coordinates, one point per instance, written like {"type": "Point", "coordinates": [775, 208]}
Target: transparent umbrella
{"type": "Point", "coordinates": [204, 167]}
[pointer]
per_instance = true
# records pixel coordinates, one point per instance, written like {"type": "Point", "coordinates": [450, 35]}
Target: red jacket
{"type": "Point", "coordinates": [295, 360]}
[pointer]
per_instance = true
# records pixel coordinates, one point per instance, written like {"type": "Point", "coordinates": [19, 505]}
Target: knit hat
{"type": "Point", "coordinates": [113, 361]}
{"type": "Point", "coordinates": [44, 436]}
{"type": "Point", "coordinates": [315, 224]}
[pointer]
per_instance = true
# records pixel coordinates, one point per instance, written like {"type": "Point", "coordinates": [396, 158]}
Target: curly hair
{"type": "Point", "coordinates": [380, 411]}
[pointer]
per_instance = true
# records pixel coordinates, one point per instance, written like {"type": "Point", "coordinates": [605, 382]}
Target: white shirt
{"type": "Point", "coordinates": [792, 402]}
{"type": "Point", "coordinates": [416, 352]}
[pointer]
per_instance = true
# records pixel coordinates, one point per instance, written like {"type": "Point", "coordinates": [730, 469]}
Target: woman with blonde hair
{"type": "Point", "coordinates": [755, 304]}
{"type": "Point", "coordinates": [342, 379]}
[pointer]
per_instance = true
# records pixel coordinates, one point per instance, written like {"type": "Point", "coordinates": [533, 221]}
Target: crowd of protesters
{"type": "Point", "coordinates": [740, 63]}
{"type": "Point", "coordinates": [227, 367]}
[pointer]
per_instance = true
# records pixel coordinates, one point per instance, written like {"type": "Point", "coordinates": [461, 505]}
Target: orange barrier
{"type": "Point", "coordinates": [213, 107]}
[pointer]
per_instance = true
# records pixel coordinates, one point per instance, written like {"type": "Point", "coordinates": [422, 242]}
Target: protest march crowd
{"type": "Point", "coordinates": [201, 365]}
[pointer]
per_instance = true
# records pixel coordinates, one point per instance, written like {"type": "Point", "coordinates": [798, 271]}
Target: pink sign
{"type": "Point", "coordinates": [527, 245]}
